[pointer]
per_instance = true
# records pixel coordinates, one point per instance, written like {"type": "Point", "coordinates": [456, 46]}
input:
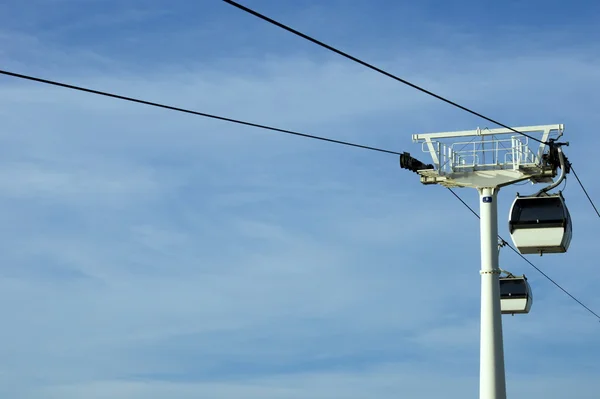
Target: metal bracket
{"type": "Point", "coordinates": [501, 243]}
{"type": "Point", "coordinates": [508, 274]}
{"type": "Point", "coordinates": [489, 272]}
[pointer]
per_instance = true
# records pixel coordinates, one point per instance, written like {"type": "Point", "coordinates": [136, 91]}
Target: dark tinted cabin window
{"type": "Point", "coordinates": [513, 288]}
{"type": "Point", "coordinates": [539, 209]}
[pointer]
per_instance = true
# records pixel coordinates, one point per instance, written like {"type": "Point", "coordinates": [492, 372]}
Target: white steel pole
{"type": "Point", "coordinates": [492, 384]}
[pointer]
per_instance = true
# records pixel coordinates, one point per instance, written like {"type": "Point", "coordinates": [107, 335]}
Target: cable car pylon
{"type": "Point", "coordinates": [498, 158]}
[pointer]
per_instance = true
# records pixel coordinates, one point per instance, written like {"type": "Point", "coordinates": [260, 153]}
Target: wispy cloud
{"type": "Point", "coordinates": [150, 254]}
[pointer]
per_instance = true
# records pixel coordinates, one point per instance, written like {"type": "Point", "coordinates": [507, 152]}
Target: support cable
{"type": "Point", "coordinates": [187, 111]}
{"type": "Point", "coordinates": [528, 261]}
{"type": "Point", "coordinates": [172, 108]}
{"type": "Point", "coordinates": [370, 66]}
{"type": "Point", "coordinates": [585, 191]}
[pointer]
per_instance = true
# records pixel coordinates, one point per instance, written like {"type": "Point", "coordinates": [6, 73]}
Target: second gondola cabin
{"type": "Point", "coordinates": [515, 295]}
{"type": "Point", "coordinates": [540, 225]}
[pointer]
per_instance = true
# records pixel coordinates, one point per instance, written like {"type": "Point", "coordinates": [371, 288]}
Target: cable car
{"type": "Point", "coordinates": [515, 295]}
{"type": "Point", "coordinates": [540, 224]}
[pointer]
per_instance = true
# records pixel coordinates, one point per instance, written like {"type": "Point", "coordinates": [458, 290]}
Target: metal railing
{"type": "Point", "coordinates": [509, 153]}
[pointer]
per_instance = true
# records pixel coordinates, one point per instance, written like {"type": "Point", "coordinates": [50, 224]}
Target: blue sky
{"type": "Point", "coordinates": [150, 254]}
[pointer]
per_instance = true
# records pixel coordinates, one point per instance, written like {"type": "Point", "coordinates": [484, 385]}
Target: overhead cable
{"type": "Point", "coordinates": [585, 191]}
{"type": "Point", "coordinates": [390, 75]}
{"type": "Point", "coordinates": [528, 261]}
{"type": "Point", "coordinates": [187, 111]}
{"type": "Point", "coordinates": [203, 114]}
{"type": "Point", "coordinates": [371, 66]}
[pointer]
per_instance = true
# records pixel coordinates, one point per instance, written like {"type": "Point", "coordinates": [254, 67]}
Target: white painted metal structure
{"type": "Point", "coordinates": [487, 163]}
{"type": "Point", "coordinates": [509, 160]}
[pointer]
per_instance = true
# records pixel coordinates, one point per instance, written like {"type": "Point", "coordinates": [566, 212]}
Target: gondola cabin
{"type": "Point", "coordinates": [540, 224]}
{"type": "Point", "coordinates": [515, 295]}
